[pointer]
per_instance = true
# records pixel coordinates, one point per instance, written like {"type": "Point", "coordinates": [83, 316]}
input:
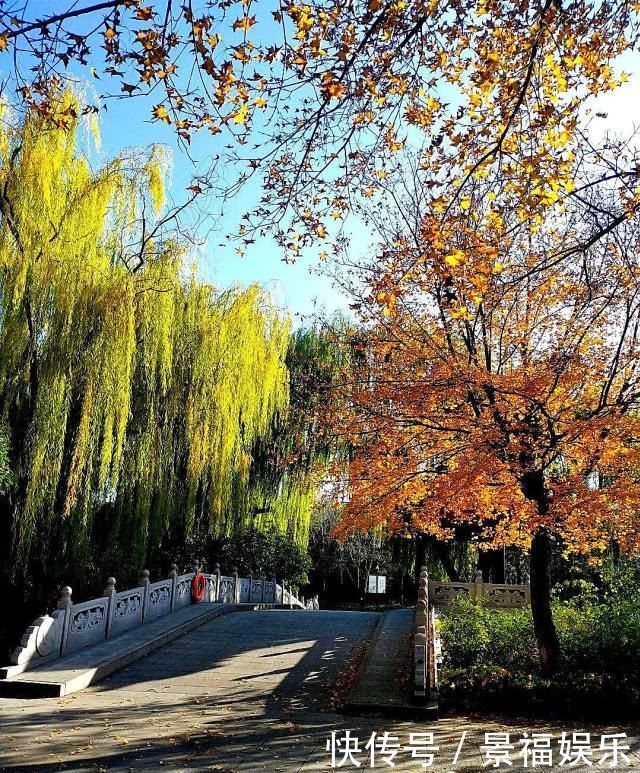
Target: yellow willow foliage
{"type": "Point", "coordinates": [289, 509]}
{"type": "Point", "coordinates": [144, 390]}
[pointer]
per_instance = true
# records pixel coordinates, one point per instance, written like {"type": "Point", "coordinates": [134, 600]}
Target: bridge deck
{"type": "Point", "coordinates": [241, 694]}
{"type": "Point", "coordinates": [90, 665]}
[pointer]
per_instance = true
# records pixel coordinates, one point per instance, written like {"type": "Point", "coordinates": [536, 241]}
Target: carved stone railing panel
{"type": "Point", "coordinates": [256, 591]}
{"type": "Point", "coordinates": [245, 590]}
{"type": "Point", "coordinates": [506, 595]}
{"type": "Point", "coordinates": [227, 585]}
{"type": "Point", "coordinates": [183, 590]}
{"type": "Point", "coordinates": [269, 592]}
{"type": "Point", "coordinates": [127, 611]}
{"type": "Point", "coordinates": [158, 600]}
{"type": "Point", "coordinates": [494, 595]}
{"type": "Point", "coordinates": [443, 593]}
{"type": "Point", "coordinates": [87, 624]}
{"type": "Point", "coordinates": [210, 589]}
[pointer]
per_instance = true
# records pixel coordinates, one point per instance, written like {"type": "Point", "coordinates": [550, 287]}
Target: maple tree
{"type": "Point", "coordinates": [498, 387]}
{"type": "Point", "coordinates": [317, 100]}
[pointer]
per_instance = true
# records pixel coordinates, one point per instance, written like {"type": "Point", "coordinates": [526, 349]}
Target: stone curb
{"type": "Point", "coordinates": [370, 644]}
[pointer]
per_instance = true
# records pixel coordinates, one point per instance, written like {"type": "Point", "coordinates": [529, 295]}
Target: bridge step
{"type": "Point", "coordinates": [383, 685]}
{"type": "Point", "coordinates": [90, 665]}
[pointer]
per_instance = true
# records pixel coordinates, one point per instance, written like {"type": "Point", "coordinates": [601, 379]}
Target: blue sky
{"type": "Point", "coordinates": [299, 287]}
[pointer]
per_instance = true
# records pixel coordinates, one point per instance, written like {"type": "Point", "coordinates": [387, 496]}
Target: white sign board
{"type": "Point", "coordinates": [377, 583]}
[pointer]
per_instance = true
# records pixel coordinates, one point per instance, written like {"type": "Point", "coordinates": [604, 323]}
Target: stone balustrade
{"type": "Point", "coordinates": [492, 594]}
{"type": "Point", "coordinates": [73, 626]}
{"type": "Point", "coordinates": [424, 662]}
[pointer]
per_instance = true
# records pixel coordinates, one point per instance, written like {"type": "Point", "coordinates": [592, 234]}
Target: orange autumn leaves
{"type": "Point", "coordinates": [429, 462]}
{"type": "Point", "coordinates": [453, 414]}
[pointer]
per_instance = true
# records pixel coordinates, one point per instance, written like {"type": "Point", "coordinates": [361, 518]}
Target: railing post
{"type": "Point", "coordinates": [172, 575]}
{"type": "Point", "coordinates": [275, 590]}
{"type": "Point", "coordinates": [216, 571]}
{"type": "Point", "coordinates": [236, 585]}
{"type": "Point", "coordinates": [110, 592]}
{"type": "Point", "coordinates": [264, 580]}
{"type": "Point", "coordinates": [421, 656]}
{"type": "Point", "coordinates": [479, 585]}
{"type": "Point", "coordinates": [65, 602]}
{"type": "Point", "coordinates": [144, 583]}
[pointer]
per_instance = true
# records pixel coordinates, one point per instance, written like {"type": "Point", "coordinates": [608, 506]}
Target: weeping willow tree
{"type": "Point", "coordinates": [288, 470]}
{"type": "Point", "coordinates": [132, 397]}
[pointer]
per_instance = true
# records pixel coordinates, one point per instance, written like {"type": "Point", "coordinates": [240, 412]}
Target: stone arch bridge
{"type": "Point", "coordinates": [227, 685]}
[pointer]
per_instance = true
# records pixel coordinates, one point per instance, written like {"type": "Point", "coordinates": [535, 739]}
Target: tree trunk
{"type": "Point", "coordinates": [533, 488]}
{"type": "Point", "coordinates": [545, 630]}
{"type": "Point", "coordinates": [421, 556]}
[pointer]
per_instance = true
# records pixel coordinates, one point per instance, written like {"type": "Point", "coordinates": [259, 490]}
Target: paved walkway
{"type": "Point", "coordinates": [382, 681]}
{"type": "Point", "coordinates": [247, 692]}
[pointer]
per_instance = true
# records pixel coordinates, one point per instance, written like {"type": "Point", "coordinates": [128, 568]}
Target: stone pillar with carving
{"type": "Point", "coordinates": [110, 593]}
{"type": "Point", "coordinates": [236, 585]}
{"type": "Point", "coordinates": [421, 643]}
{"type": "Point", "coordinates": [478, 590]}
{"type": "Point", "coordinates": [216, 572]}
{"type": "Point", "coordinates": [172, 576]}
{"type": "Point", "coordinates": [144, 584]}
{"type": "Point", "coordinates": [65, 602]}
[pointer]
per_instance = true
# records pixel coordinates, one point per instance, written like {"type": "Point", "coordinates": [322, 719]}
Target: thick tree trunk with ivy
{"type": "Point", "coordinates": [545, 631]}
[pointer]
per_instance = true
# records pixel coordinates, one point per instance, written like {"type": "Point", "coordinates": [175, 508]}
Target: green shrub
{"type": "Point", "coordinates": [491, 659]}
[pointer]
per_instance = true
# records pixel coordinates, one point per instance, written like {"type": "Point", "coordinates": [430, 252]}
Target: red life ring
{"type": "Point", "coordinates": [198, 585]}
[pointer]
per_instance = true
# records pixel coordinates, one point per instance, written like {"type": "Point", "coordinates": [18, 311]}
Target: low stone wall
{"type": "Point", "coordinates": [72, 626]}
